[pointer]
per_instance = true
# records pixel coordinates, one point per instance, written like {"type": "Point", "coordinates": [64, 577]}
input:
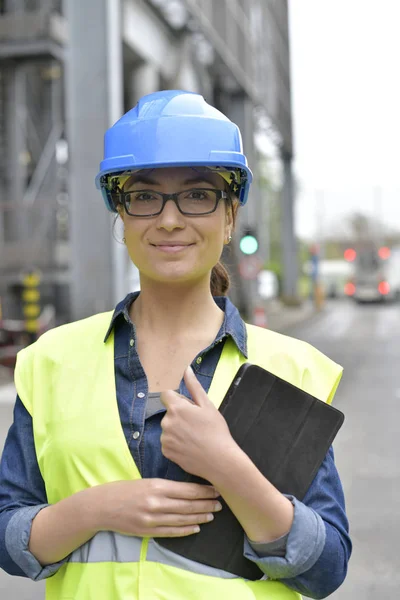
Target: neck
{"type": "Point", "coordinates": [179, 311]}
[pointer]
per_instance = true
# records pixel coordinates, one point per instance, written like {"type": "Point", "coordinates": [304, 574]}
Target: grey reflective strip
{"type": "Point", "coordinates": [107, 546]}
{"type": "Point", "coordinates": [157, 553]}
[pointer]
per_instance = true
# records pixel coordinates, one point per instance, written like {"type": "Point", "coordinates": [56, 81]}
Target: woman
{"type": "Point", "coordinates": [93, 466]}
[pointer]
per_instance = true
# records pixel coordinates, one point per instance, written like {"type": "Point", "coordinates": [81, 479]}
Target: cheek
{"type": "Point", "coordinates": [135, 243]}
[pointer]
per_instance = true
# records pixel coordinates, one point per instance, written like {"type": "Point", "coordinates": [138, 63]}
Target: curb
{"type": "Point", "coordinates": [287, 327]}
{"type": "Point", "coordinates": [7, 394]}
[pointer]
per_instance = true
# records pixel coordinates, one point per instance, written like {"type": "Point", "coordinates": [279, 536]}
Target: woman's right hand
{"type": "Point", "coordinates": [155, 507]}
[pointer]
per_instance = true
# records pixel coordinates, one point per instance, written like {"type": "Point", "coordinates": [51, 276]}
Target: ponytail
{"type": "Point", "coordinates": [220, 280]}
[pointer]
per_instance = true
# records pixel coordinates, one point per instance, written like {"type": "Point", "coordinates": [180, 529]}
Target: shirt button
{"type": "Point", "coordinates": [131, 343]}
{"type": "Point", "coordinates": [135, 435]}
{"type": "Point", "coordinates": [141, 395]}
{"type": "Point", "coordinates": [198, 360]}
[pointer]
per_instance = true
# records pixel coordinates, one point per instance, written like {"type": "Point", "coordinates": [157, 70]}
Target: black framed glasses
{"type": "Point", "coordinates": [191, 203]}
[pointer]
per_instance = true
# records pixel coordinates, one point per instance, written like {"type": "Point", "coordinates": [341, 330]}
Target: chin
{"type": "Point", "coordinates": [176, 274]}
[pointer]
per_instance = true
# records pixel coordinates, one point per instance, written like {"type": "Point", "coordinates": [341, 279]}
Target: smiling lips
{"type": "Point", "coordinates": [171, 247]}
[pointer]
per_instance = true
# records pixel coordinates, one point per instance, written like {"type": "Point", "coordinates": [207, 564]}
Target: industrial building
{"type": "Point", "coordinates": [68, 70]}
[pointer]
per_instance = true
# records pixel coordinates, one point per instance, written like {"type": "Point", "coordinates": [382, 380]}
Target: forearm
{"type": "Point", "coordinates": [318, 545]}
{"type": "Point", "coordinates": [59, 529]}
{"type": "Point", "coordinates": [264, 513]}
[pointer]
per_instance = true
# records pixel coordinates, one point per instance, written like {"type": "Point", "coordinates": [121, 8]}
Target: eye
{"type": "Point", "coordinates": [198, 194]}
{"type": "Point", "coordinates": [142, 196]}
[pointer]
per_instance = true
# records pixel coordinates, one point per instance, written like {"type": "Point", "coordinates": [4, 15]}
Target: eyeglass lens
{"type": "Point", "coordinates": [195, 201]}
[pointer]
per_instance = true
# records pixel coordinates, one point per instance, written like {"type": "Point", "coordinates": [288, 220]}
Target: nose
{"type": "Point", "coordinates": [170, 218]}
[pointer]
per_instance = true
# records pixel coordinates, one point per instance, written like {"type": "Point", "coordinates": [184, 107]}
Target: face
{"type": "Point", "coordinates": [172, 247]}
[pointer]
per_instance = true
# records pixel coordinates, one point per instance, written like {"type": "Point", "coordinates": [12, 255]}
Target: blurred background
{"type": "Point", "coordinates": [316, 253]}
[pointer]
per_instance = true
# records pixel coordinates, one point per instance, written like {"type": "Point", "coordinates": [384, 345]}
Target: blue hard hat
{"type": "Point", "coordinates": [173, 128]}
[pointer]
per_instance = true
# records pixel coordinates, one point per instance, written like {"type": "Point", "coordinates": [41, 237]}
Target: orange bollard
{"type": "Point", "coordinates": [319, 296]}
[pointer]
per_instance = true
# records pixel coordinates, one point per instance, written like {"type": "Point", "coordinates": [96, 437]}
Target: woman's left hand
{"type": "Point", "coordinates": [193, 433]}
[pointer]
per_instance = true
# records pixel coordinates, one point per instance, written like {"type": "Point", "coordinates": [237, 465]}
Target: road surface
{"type": "Point", "coordinates": [366, 341]}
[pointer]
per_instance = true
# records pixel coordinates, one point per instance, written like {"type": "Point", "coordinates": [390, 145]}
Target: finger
{"type": "Point", "coordinates": [189, 491]}
{"type": "Point", "coordinates": [169, 398]}
{"type": "Point", "coordinates": [189, 507]}
{"type": "Point", "coordinates": [174, 532]}
{"type": "Point", "coordinates": [182, 520]}
{"type": "Point", "coordinates": [195, 388]}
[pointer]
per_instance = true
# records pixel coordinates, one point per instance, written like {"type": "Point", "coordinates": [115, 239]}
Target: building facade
{"type": "Point", "coordinates": [68, 70]}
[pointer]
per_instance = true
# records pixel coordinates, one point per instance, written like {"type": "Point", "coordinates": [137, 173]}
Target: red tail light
{"type": "Point", "coordinates": [350, 254]}
{"type": "Point", "coordinates": [349, 289]}
{"type": "Point", "coordinates": [384, 252]}
{"type": "Point", "coordinates": [384, 288]}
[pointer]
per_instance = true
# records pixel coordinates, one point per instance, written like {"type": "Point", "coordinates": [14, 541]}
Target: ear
{"type": "Point", "coordinates": [230, 217]}
{"type": "Point", "coordinates": [121, 213]}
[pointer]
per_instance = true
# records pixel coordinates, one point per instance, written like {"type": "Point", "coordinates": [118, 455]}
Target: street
{"type": "Point", "coordinates": [366, 341]}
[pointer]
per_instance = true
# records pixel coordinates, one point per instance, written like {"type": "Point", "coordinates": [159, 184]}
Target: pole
{"type": "Point", "coordinates": [320, 224]}
{"type": "Point", "coordinates": [378, 212]}
{"type": "Point", "coordinates": [289, 243]}
{"type": "Point", "coordinates": [115, 109]}
{"type": "Point", "coordinates": [320, 250]}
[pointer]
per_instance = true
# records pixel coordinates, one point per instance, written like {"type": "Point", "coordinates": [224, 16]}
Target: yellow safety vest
{"type": "Point", "coordinates": [66, 381]}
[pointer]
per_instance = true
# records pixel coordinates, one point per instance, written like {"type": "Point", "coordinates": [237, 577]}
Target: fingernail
{"type": "Point", "coordinates": [217, 506]}
{"type": "Point", "coordinates": [196, 529]}
{"type": "Point", "coordinates": [210, 517]}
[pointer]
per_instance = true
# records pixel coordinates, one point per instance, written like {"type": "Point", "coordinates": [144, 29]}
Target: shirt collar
{"type": "Point", "coordinates": [121, 310]}
{"type": "Point", "coordinates": [233, 325]}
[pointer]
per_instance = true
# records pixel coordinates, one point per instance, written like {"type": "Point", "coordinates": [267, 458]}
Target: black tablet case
{"type": "Point", "coordinates": [286, 432]}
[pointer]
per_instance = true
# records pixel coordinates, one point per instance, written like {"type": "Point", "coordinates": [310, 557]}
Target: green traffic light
{"type": "Point", "coordinates": [248, 244]}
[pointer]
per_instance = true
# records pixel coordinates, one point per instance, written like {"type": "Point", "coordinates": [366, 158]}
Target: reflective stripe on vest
{"type": "Point", "coordinates": [107, 546]}
{"type": "Point", "coordinates": [66, 381]}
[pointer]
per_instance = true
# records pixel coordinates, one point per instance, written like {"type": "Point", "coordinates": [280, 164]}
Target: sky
{"type": "Point", "coordinates": [345, 69]}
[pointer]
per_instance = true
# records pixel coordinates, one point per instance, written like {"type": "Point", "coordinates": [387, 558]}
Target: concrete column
{"type": "Point", "coordinates": [16, 222]}
{"type": "Point", "coordinates": [145, 79]}
{"type": "Point", "coordinates": [289, 243]}
{"type": "Point", "coordinates": [93, 103]}
{"type": "Point", "coordinates": [239, 109]}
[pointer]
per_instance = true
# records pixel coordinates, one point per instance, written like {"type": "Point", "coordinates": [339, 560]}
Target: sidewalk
{"type": "Point", "coordinates": [279, 318]}
{"type": "Point", "coordinates": [7, 389]}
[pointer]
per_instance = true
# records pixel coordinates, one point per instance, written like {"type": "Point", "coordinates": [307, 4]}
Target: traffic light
{"type": "Point", "coordinates": [248, 242]}
{"type": "Point", "coordinates": [350, 254]}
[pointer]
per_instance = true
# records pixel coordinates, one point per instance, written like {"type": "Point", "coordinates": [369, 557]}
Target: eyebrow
{"type": "Point", "coordinates": [143, 180]}
{"type": "Point", "coordinates": [197, 180]}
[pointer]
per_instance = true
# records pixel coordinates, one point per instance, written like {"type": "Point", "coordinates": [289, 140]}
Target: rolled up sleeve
{"type": "Point", "coordinates": [22, 496]}
{"type": "Point", "coordinates": [274, 548]}
{"type": "Point", "coordinates": [304, 545]}
{"type": "Point", "coordinates": [17, 536]}
{"type": "Point", "coordinates": [318, 546]}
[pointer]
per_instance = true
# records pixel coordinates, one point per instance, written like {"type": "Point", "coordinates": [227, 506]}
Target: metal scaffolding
{"type": "Point", "coordinates": [62, 84]}
{"type": "Point", "coordinates": [31, 127]}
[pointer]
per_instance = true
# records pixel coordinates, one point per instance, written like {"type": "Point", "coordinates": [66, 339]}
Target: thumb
{"type": "Point", "coordinates": [195, 388]}
{"type": "Point", "coordinates": [168, 397]}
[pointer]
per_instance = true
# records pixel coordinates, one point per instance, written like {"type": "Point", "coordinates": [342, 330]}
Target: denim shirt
{"type": "Point", "coordinates": [311, 559]}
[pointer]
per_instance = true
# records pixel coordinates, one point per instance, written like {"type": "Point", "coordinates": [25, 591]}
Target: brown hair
{"type": "Point", "coordinates": [220, 280]}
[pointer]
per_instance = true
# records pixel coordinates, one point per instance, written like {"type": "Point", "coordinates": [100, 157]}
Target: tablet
{"type": "Point", "coordinates": [286, 432]}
